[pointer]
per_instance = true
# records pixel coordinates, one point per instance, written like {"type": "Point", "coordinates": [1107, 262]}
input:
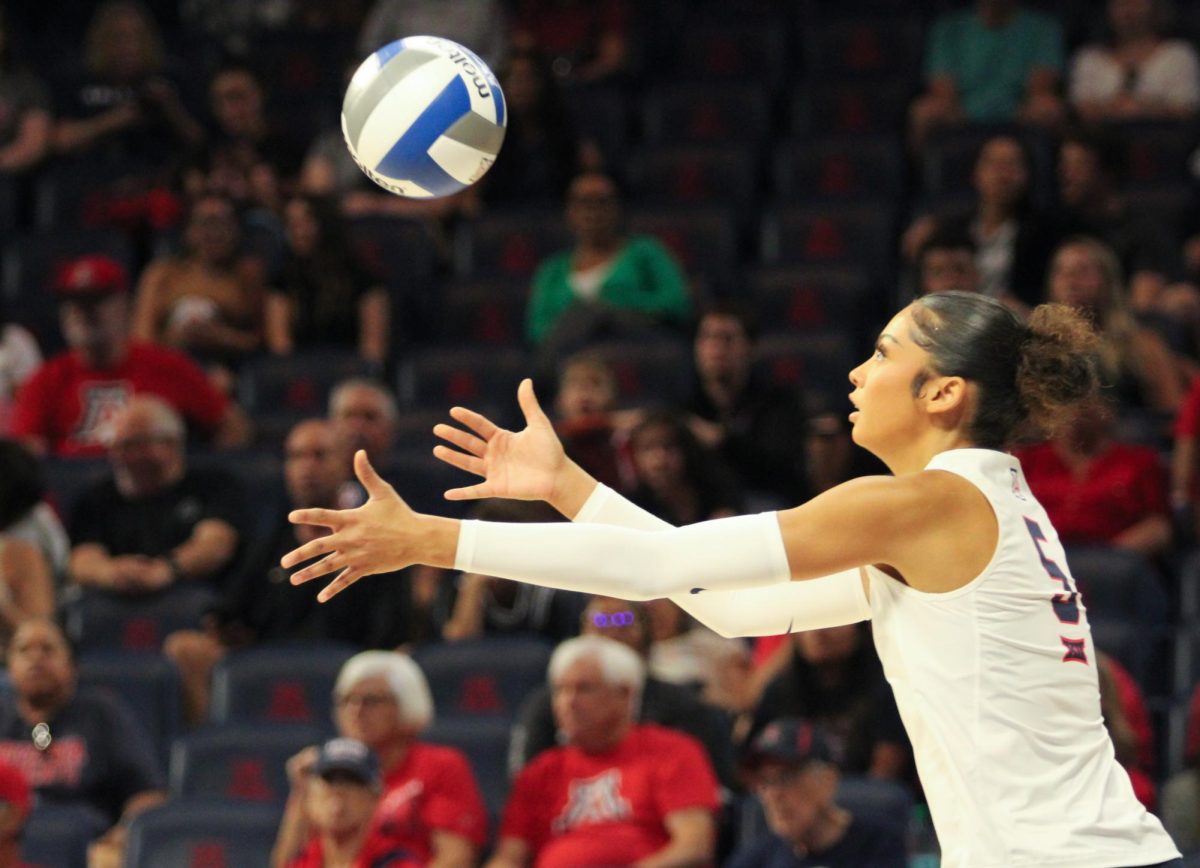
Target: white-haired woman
{"type": "Point", "coordinates": [431, 805]}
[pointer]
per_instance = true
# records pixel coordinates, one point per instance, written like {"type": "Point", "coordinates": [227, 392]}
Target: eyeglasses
{"type": "Point", "coordinates": [366, 700]}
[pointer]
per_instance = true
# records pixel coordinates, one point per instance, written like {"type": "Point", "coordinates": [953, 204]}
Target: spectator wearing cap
{"type": "Point", "coordinates": [431, 805]}
{"type": "Point", "coordinates": [789, 768]}
{"type": "Point", "coordinates": [154, 521]}
{"type": "Point", "coordinates": [16, 801]}
{"type": "Point", "coordinates": [616, 792]}
{"type": "Point", "coordinates": [67, 407]}
{"type": "Point", "coordinates": [341, 794]}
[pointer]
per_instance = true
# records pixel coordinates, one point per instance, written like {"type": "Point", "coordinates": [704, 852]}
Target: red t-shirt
{"type": "Point", "coordinates": [1187, 423]}
{"type": "Point", "coordinates": [576, 809]}
{"type": "Point", "coordinates": [377, 852]}
{"type": "Point", "coordinates": [1119, 488]}
{"type": "Point", "coordinates": [71, 406]}
{"type": "Point", "coordinates": [433, 787]}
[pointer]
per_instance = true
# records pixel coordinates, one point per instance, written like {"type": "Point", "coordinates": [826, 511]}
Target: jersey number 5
{"type": "Point", "coordinates": [1066, 604]}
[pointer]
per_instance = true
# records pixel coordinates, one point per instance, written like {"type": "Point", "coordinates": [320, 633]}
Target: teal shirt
{"type": "Point", "coordinates": [645, 277]}
{"type": "Point", "coordinates": [991, 68]}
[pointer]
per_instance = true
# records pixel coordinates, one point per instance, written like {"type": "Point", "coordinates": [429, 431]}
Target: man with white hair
{"type": "Point", "coordinates": [431, 807]}
{"type": "Point", "coordinates": [617, 792]}
{"type": "Point", "coordinates": [364, 413]}
{"type": "Point", "coordinates": [154, 521]}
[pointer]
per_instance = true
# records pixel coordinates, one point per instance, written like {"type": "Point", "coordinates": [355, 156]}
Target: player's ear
{"type": "Point", "coordinates": [944, 395]}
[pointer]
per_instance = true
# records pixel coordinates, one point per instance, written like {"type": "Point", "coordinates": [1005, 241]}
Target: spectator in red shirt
{"type": "Point", "coordinates": [341, 796]}
{"type": "Point", "coordinates": [617, 792]}
{"type": "Point", "coordinates": [16, 800]}
{"type": "Point", "coordinates": [431, 808]}
{"type": "Point", "coordinates": [67, 407]}
{"type": "Point", "coordinates": [1098, 490]}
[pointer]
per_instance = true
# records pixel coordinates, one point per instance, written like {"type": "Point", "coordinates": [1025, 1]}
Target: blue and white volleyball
{"type": "Point", "coordinates": [424, 117]}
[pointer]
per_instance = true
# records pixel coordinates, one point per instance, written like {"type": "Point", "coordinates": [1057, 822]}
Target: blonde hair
{"type": "Point", "coordinates": [404, 679]}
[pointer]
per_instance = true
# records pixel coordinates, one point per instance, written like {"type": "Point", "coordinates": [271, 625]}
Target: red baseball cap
{"type": "Point", "coordinates": [14, 788]}
{"type": "Point", "coordinates": [89, 277]}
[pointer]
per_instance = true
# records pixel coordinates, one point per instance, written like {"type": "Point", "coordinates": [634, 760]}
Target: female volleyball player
{"type": "Point", "coordinates": [976, 618]}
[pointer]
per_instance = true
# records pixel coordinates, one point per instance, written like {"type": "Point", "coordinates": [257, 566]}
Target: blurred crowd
{"type": "Point", "coordinates": [699, 217]}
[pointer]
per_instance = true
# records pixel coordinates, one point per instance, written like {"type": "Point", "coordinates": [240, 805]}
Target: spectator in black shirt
{"type": "Point", "coordinates": [75, 746]}
{"type": "Point", "coordinates": [757, 428]}
{"type": "Point", "coordinates": [154, 521]}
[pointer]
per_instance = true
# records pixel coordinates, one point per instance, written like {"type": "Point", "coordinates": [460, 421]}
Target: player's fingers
{"type": "Point", "coordinates": [374, 484]}
{"type": "Point", "coordinates": [322, 545]}
{"type": "Point", "coordinates": [325, 566]}
{"type": "Point", "coordinates": [469, 492]}
{"type": "Point", "coordinates": [477, 422]}
{"type": "Point", "coordinates": [345, 579]}
{"type": "Point", "coordinates": [464, 441]}
{"type": "Point", "coordinates": [530, 407]}
{"type": "Point", "coordinates": [330, 518]}
{"type": "Point", "coordinates": [462, 461]}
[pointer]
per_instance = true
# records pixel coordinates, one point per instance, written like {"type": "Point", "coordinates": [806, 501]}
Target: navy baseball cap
{"type": "Point", "coordinates": [787, 740]}
{"type": "Point", "coordinates": [350, 757]}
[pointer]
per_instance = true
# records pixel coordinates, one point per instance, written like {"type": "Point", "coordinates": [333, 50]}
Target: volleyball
{"type": "Point", "coordinates": [424, 117]}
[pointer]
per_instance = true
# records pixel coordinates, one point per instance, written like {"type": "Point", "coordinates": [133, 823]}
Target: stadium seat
{"type": "Point", "coordinates": [441, 377]}
{"type": "Point", "coordinates": [509, 245]}
{"type": "Point", "coordinates": [244, 763]}
{"type": "Point", "coordinates": [202, 835]}
{"type": "Point", "coordinates": [837, 107]}
{"type": "Point", "coordinates": [832, 234]}
{"type": "Point", "coordinates": [691, 175]}
{"type": "Point", "coordinates": [657, 373]}
{"type": "Point", "coordinates": [56, 836]}
{"type": "Point", "coordinates": [485, 677]}
{"type": "Point", "coordinates": [746, 51]}
{"type": "Point", "coordinates": [66, 479]}
{"type": "Point", "coordinates": [712, 113]}
{"type": "Point", "coordinates": [887, 802]}
{"type": "Point", "coordinates": [703, 239]}
{"type": "Point", "coordinates": [816, 363]}
{"type": "Point", "coordinates": [1116, 583]}
{"type": "Point", "coordinates": [1140, 649]}
{"type": "Point", "coordinates": [879, 48]}
{"type": "Point", "coordinates": [602, 114]}
{"type": "Point", "coordinates": [148, 684]}
{"type": "Point", "coordinates": [843, 168]}
{"type": "Point", "coordinates": [485, 742]}
{"type": "Point", "coordinates": [422, 479]}
{"type": "Point", "coordinates": [29, 262]}
{"type": "Point", "coordinates": [801, 298]}
{"type": "Point", "coordinates": [278, 683]}
{"type": "Point", "coordinates": [399, 251]}
{"type": "Point", "coordinates": [97, 620]}
{"type": "Point", "coordinates": [481, 311]}
{"type": "Point", "coordinates": [1157, 154]}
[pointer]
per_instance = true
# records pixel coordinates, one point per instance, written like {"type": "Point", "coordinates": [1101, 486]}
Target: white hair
{"type": "Point", "coordinates": [342, 389]}
{"type": "Point", "coordinates": [404, 678]}
{"type": "Point", "coordinates": [620, 666]}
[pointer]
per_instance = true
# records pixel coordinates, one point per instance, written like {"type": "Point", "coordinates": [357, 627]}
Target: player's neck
{"type": "Point", "coordinates": [913, 457]}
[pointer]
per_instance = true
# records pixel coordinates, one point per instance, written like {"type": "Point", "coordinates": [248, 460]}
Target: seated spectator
{"type": "Point", "coordinates": [610, 284]}
{"type": "Point", "coordinates": [756, 428]}
{"type": "Point", "coordinates": [86, 747]}
{"type": "Point", "coordinates": [479, 25]}
{"type": "Point", "coordinates": [541, 152]}
{"type": "Point", "coordinates": [260, 606]}
{"type": "Point", "coordinates": [431, 809]}
{"type": "Point", "coordinates": [16, 801]}
{"type": "Point", "coordinates": [488, 606]}
{"type": "Point", "coordinates": [586, 417]}
{"type": "Point", "coordinates": [587, 43]}
{"type": "Point", "coordinates": [668, 705]}
{"type": "Point", "coordinates": [689, 654]}
{"type": "Point", "coordinates": [340, 798]}
{"type": "Point", "coordinates": [1135, 72]}
{"type": "Point", "coordinates": [364, 415]}
{"type": "Point", "coordinates": [1090, 171]}
{"type": "Point", "coordinates": [834, 680]}
{"type": "Point", "coordinates": [26, 580]}
{"type": "Point", "coordinates": [25, 516]}
{"type": "Point", "coordinates": [794, 778]}
{"type": "Point", "coordinates": [1098, 490]}
{"type": "Point", "coordinates": [1011, 239]}
{"type": "Point", "coordinates": [19, 353]}
{"type": "Point", "coordinates": [1181, 793]}
{"type": "Point", "coordinates": [616, 791]}
{"type": "Point", "coordinates": [677, 478]}
{"type": "Point", "coordinates": [945, 262]}
{"type": "Point", "coordinates": [324, 297]}
{"type": "Point", "coordinates": [1000, 61]}
{"type": "Point", "coordinates": [207, 301]}
{"type": "Point", "coordinates": [1136, 367]}
{"type": "Point", "coordinates": [154, 521]}
{"type": "Point", "coordinates": [25, 121]}
{"type": "Point", "coordinates": [67, 406]}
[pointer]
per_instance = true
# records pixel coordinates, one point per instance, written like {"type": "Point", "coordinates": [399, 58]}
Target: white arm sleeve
{"type": "Point", "coordinates": [829, 601]}
{"type": "Point", "coordinates": [742, 552]}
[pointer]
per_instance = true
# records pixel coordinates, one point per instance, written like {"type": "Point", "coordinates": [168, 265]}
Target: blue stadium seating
{"type": "Point", "coordinates": [706, 112]}
{"type": "Point", "coordinates": [799, 298]}
{"type": "Point", "coordinates": [202, 834]}
{"type": "Point", "coordinates": [838, 168]}
{"type": "Point", "coordinates": [485, 742]}
{"type": "Point", "coordinates": [509, 245]}
{"type": "Point", "coordinates": [828, 234]}
{"type": "Point", "coordinates": [440, 377]}
{"type": "Point", "coordinates": [149, 685]}
{"type": "Point", "coordinates": [487, 677]}
{"type": "Point", "coordinates": [704, 239]}
{"type": "Point", "coordinates": [98, 620]}
{"type": "Point", "coordinates": [243, 763]}
{"type": "Point", "coordinates": [56, 836]}
{"type": "Point", "coordinates": [649, 374]}
{"type": "Point", "coordinates": [278, 683]}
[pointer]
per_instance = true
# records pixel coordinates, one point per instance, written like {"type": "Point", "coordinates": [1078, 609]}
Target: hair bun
{"type": "Point", "coordinates": [1057, 368]}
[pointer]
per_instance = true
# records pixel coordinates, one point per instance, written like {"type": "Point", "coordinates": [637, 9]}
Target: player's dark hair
{"type": "Point", "coordinates": [1027, 373]}
{"type": "Point", "coordinates": [22, 487]}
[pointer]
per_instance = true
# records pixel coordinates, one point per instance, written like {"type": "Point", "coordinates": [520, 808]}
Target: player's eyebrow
{"type": "Point", "coordinates": [890, 338]}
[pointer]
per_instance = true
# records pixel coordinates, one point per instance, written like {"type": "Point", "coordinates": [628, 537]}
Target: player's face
{"type": "Point", "coordinates": [339, 806]}
{"type": "Point", "coordinates": [39, 663]}
{"type": "Point", "coordinates": [368, 711]}
{"type": "Point", "coordinates": [587, 709]}
{"type": "Point", "coordinates": [886, 414]}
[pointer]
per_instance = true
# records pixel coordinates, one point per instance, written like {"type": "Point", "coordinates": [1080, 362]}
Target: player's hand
{"type": "Point", "coordinates": [381, 536]}
{"type": "Point", "coordinates": [523, 465]}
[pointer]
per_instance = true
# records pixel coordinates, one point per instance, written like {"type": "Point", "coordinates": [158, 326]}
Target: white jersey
{"type": "Point", "coordinates": [997, 686]}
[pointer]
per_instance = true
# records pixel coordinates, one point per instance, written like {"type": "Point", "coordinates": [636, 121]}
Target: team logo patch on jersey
{"type": "Point", "coordinates": [1017, 490]}
{"type": "Point", "coordinates": [593, 800]}
{"type": "Point", "coordinates": [1075, 650]}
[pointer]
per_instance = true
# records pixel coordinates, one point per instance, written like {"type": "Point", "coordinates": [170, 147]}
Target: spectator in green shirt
{"type": "Point", "coordinates": [996, 62]}
{"type": "Point", "coordinates": [610, 284]}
